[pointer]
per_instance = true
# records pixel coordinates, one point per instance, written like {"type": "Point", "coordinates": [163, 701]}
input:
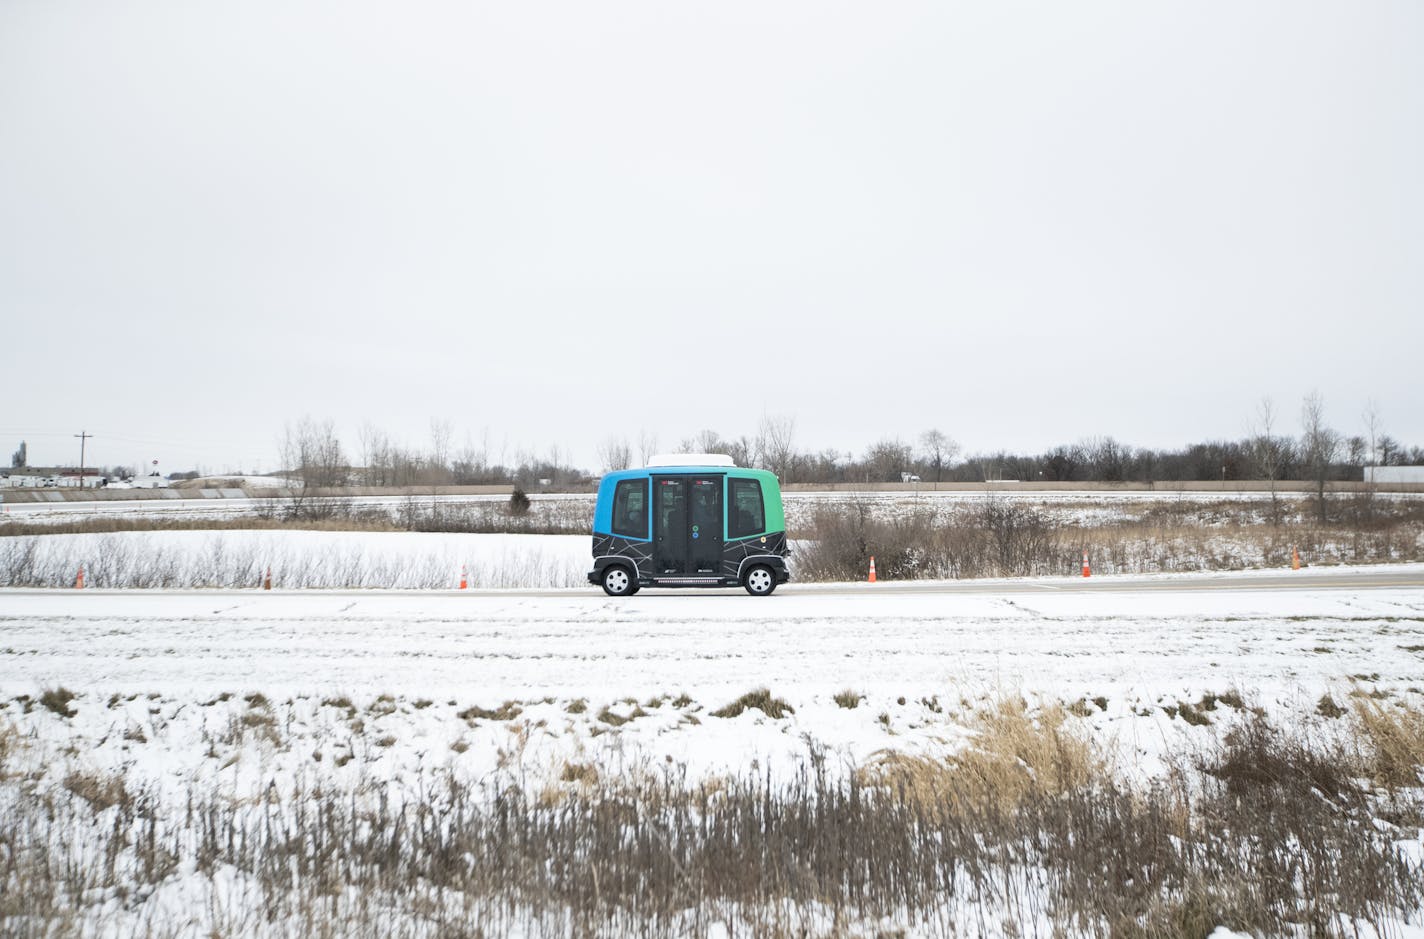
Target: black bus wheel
{"type": "Point", "coordinates": [617, 582]}
{"type": "Point", "coordinates": [760, 581]}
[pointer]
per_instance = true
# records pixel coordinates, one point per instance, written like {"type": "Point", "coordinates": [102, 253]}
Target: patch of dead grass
{"type": "Point", "coordinates": [1395, 737]}
{"type": "Point", "coordinates": [760, 700]}
{"type": "Point", "coordinates": [507, 711]}
{"type": "Point", "coordinates": [1016, 755]}
{"type": "Point", "coordinates": [100, 791]}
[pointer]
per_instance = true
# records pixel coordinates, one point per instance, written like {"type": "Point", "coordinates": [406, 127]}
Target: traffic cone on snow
{"type": "Point", "coordinates": [79, 580]}
{"type": "Point", "coordinates": [267, 579]}
{"type": "Point", "coordinates": [463, 580]}
{"type": "Point", "coordinates": [1295, 559]}
{"type": "Point", "coordinates": [872, 569]}
{"type": "Point", "coordinates": [1087, 571]}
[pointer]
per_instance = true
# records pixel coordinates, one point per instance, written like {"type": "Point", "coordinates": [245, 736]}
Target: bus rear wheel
{"type": "Point", "coordinates": [617, 582]}
{"type": "Point", "coordinates": [760, 581]}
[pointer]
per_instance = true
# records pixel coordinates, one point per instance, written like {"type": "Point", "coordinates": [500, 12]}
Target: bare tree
{"type": "Point", "coordinates": [939, 449]}
{"type": "Point", "coordinates": [438, 466]}
{"type": "Point", "coordinates": [614, 453]}
{"type": "Point", "coordinates": [1391, 453]}
{"type": "Point", "coordinates": [471, 464]}
{"type": "Point", "coordinates": [1063, 463]}
{"type": "Point", "coordinates": [375, 455]}
{"type": "Point", "coordinates": [887, 459]}
{"type": "Point", "coordinates": [1319, 446]}
{"type": "Point", "coordinates": [1373, 433]}
{"type": "Point", "coordinates": [556, 459]}
{"type": "Point", "coordinates": [647, 445]}
{"type": "Point", "coordinates": [1265, 452]}
{"type": "Point", "coordinates": [311, 452]}
{"type": "Point", "coordinates": [775, 444]}
{"type": "Point", "coordinates": [704, 441]}
{"type": "Point", "coordinates": [1106, 458]}
{"type": "Point", "coordinates": [742, 450]}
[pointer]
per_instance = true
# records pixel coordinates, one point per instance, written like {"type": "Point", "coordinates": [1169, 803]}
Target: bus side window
{"type": "Point", "coordinates": [747, 516]}
{"type": "Point", "coordinates": [630, 508]}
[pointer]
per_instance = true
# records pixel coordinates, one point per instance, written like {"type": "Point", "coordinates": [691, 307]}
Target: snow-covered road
{"type": "Point", "coordinates": [1142, 638]}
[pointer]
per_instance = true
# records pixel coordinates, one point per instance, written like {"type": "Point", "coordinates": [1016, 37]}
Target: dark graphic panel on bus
{"type": "Point", "coordinates": [735, 552]}
{"type": "Point", "coordinates": [640, 552]}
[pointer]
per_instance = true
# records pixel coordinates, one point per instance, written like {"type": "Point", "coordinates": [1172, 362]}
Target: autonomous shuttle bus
{"type": "Point", "coordinates": [689, 520]}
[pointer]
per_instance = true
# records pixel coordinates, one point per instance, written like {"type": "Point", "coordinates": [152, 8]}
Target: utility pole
{"type": "Point", "coordinates": [83, 439]}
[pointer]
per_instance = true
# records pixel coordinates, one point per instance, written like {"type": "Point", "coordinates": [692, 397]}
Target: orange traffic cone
{"type": "Point", "coordinates": [1295, 559]}
{"type": "Point", "coordinates": [79, 580]}
{"type": "Point", "coordinates": [1087, 571]}
{"type": "Point", "coordinates": [267, 580]}
{"type": "Point", "coordinates": [872, 568]}
{"type": "Point", "coordinates": [463, 580]}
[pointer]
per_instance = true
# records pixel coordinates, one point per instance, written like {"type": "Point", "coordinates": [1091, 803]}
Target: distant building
{"type": "Point", "coordinates": [1394, 474]}
{"type": "Point", "coordinates": [51, 477]}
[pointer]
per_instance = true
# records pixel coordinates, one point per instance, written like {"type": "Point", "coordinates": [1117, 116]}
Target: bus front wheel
{"type": "Point", "coordinates": [617, 582]}
{"type": "Point", "coordinates": [760, 581]}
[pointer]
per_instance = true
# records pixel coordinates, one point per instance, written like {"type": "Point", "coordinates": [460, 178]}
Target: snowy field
{"type": "Point", "coordinates": [1098, 505]}
{"type": "Point", "coordinates": [312, 559]}
{"type": "Point", "coordinates": [1138, 644]}
{"type": "Point", "coordinates": [242, 730]}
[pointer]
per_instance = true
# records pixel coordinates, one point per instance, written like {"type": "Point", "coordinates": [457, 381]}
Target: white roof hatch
{"type": "Point", "coordinates": [690, 459]}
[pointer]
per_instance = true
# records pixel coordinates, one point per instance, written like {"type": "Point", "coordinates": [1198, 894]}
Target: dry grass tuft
{"type": "Point", "coordinates": [343, 703]}
{"type": "Point", "coordinates": [585, 773]}
{"type": "Point", "coordinates": [507, 711]}
{"type": "Point", "coordinates": [1395, 737]}
{"type": "Point", "coordinates": [1258, 761]}
{"type": "Point", "coordinates": [760, 700]}
{"type": "Point", "coordinates": [259, 722]}
{"type": "Point", "coordinates": [102, 792]}
{"type": "Point", "coordinates": [847, 699]}
{"type": "Point", "coordinates": [57, 700]}
{"type": "Point", "coordinates": [10, 743]}
{"type": "Point", "coordinates": [613, 719]}
{"type": "Point", "coordinates": [1015, 756]}
{"type": "Point", "coordinates": [1326, 707]}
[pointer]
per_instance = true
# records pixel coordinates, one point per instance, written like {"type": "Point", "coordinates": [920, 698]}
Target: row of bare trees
{"type": "Point", "coordinates": [313, 454]}
{"type": "Point", "coordinates": [1319, 454]}
{"type": "Point", "coordinates": [773, 447]}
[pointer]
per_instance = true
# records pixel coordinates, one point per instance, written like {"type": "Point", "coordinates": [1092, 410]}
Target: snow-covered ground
{"type": "Point", "coordinates": [912, 652]}
{"type": "Point", "coordinates": [234, 558]}
{"type": "Point", "coordinates": [901, 640]}
{"type": "Point", "coordinates": [241, 699]}
{"type": "Point", "coordinates": [1082, 506]}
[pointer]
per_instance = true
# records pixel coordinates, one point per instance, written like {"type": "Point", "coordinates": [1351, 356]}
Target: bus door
{"type": "Point", "coordinates": [687, 525]}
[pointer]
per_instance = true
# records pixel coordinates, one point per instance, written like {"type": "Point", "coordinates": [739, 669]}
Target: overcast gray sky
{"type": "Point", "coordinates": [1021, 223]}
